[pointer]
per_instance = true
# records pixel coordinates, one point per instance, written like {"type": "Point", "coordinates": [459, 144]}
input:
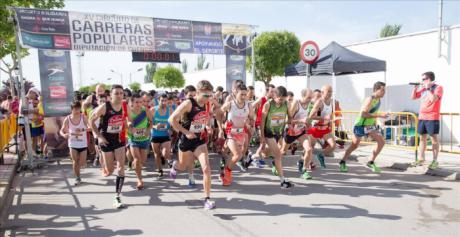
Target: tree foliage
{"type": "Point", "coordinates": [274, 51]}
{"type": "Point", "coordinates": [390, 30]}
{"type": "Point", "coordinates": [168, 77]}
{"type": "Point", "coordinates": [91, 88]}
{"type": "Point", "coordinates": [150, 70]}
{"type": "Point", "coordinates": [7, 89]}
{"type": "Point", "coordinates": [135, 86]}
{"type": "Point", "coordinates": [7, 35]}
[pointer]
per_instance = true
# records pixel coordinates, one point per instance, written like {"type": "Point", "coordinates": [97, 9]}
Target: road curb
{"type": "Point", "coordinates": [8, 171]}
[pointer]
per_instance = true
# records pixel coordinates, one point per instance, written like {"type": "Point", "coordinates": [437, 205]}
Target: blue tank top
{"type": "Point", "coordinates": [161, 119]}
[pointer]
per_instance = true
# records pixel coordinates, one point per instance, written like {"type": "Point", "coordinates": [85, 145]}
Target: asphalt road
{"type": "Point", "coordinates": [358, 203]}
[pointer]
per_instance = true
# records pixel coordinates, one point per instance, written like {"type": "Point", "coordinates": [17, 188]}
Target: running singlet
{"type": "Point", "coordinates": [162, 121]}
{"type": "Point", "coordinates": [325, 112]}
{"type": "Point", "coordinates": [111, 125]}
{"type": "Point", "coordinates": [237, 118]}
{"type": "Point", "coordinates": [301, 114]}
{"type": "Point", "coordinates": [276, 118]}
{"type": "Point", "coordinates": [363, 126]}
{"type": "Point", "coordinates": [77, 134]}
{"type": "Point", "coordinates": [259, 111]}
{"type": "Point", "coordinates": [196, 120]}
{"type": "Point", "coordinates": [140, 123]}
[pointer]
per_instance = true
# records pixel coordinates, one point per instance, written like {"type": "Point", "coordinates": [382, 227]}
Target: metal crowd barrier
{"type": "Point", "coordinates": [449, 144]}
{"type": "Point", "coordinates": [399, 130]}
{"type": "Point", "coordinates": [8, 128]}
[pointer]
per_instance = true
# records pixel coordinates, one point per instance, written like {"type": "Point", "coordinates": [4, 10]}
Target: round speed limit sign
{"type": "Point", "coordinates": [309, 52]}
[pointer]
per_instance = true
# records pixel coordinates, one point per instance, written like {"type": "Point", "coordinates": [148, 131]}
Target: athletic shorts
{"type": "Point", "coordinates": [113, 143]}
{"type": "Point", "coordinates": [290, 139]}
{"type": "Point", "coordinates": [186, 144]}
{"type": "Point", "coordinates": [318, 133]}
{"type": "Point", "coordinates": [79, 150]}
{"type": "Point", "coordinates": [239, 138]}
{"type": "Point", "coordinates": [362, 131]}
{"type": "Point", "coordinates": [160, 139]}
{"type": "Point", "coordinates": [270, 134]}
{"type": "Point", "coordinates": [36, 132]}
{"type": "Point", "coordinates": [429, 127]}
{"type": "Point", "coordinates": [139, 144]}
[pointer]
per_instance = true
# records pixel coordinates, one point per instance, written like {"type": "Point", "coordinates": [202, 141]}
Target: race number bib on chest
{"type": "Point", "coordinates": [115, 124]}
{"type": "Point", "coordinates": [138, 132]}
{"type": "Point", "coordinates": [197, 127]}
{"type": "Point", "coordinates": [369, 129]}
{"type": "Point", "coordinates": [278, 119]}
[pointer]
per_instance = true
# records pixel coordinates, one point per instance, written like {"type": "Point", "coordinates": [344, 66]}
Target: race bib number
{"type": "Point", "coordinates": [277, 119]}
{"type": "Point", "coordinates": [138, 132]}
{"type": "Point", "coordinates": [237, 130]}
{"type": "Point", "coordinates": [299, 127]}
{"type": "Point", "coordinates": [369, 129]}
{"type": "Point", "coordinates": [77, 137]}
{"type": "Point", "coordinates": [197, 127]}
{"type": "Point", "coordinates": [114, 128]}
{"type": "Point", "coordinates": [161, 126]}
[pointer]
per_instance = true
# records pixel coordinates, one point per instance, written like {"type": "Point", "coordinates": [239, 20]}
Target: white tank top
{"type": "Point", "coordinates": [327, 109]}
{"type": "Point", "coordinates": [301, 113]}
{"type": "Point", "coordinates": [77, 134]}
{"type": "Point", "coordinates": [238, 116]}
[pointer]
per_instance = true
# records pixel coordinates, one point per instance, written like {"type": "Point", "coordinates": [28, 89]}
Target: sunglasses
{"type": "Point", "coordinates": [206, 95]}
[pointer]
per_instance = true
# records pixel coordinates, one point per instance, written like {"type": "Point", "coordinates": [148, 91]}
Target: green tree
{"type": "Point", "coordinates": [201, 63]}
{"type": "Point", "coordinates": [91, 88]}
{"type": "Point", "coordinates": [274, 51]}
{"type": "Point", "coordinates": [390, 30]}
{"type": "Point", "coordinates": [184, 65]}
{"type": "Point", "coordinates": [150, 70]}
{"type": "Point", "coordinates": [168, 77]}
{"type": "Point", "coordinates": [7, 35]}
{"type": "Point", "coordinates": [135, 86]}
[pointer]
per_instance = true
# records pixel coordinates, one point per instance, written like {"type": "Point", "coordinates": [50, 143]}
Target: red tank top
{"type": "Point", "coordinates": [259, 111]}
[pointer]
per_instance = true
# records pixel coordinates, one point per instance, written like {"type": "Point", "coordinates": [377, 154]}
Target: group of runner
{"type": "Point", "coordinates": [125, 125]}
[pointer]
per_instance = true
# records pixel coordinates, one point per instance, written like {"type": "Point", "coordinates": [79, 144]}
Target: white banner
{"type": "Point", "coordinates": [108, 32]}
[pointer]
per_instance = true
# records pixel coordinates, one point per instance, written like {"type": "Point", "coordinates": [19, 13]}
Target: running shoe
{"type": "Point", "coordinates": [160, 174]}
{"type": "Point", "coordinates": [77, 181]}
{"type": "Point", "coordinates": [306, 175]}
{"type": "Point", "coordinates": [173, 172]}
{"type": "Point", "coordinates": [222, 162]}
{"type": "Point", "coordinates": [170, 163]}
{"type": "Point", "coordinates": [343, 167]}
{"type": "Point", "coordinates": [418, 163]}
{"type": "Point", "coordinates": [320, 158]}
{"type": "Point", "coordinates": [247, 162]}
{"type": "Point", "coordinates": [191, 183]}
{"type": "Point", "coordinates": [258, 163]}
{"type": "Point", "coordinates": [241, 165]}
{"type": "Point", "coordinates": [209, 204]}
{"type": "Point", "coordinates": [227, 180]}
{"type": "Point", "coordinates": [262, 162]}
{"type": "Point", "coordinates": [117, 202]}
{"type": "Point", "coordinates": [373, 167]}
{"type": "Point", "coordinates": [434, 165]}
{"type": "Point", "coordinates": [286, 184]}
{"type": "Point", "coordinates": [300, 165]}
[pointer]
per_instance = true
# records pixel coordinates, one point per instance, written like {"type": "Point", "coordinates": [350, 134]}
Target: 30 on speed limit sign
{"type": "Point", "coordinates": [309, 52]}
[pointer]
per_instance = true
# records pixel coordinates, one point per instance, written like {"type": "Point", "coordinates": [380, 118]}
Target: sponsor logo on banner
{"type": "Point", "coordinates": [173, 35]}
{"type": "Point", "coordinates": [61, 42]}
{"type": "Point", "coordinates": [58, 92]}
{"type": "Point", "coordinates": [207, 38]}
{"type": "Point", "coordinates": [56, 82]}
{"type": "Point", "coordinates": [38, 41]}
{"type": "Point", "coordinates": [109, 32]}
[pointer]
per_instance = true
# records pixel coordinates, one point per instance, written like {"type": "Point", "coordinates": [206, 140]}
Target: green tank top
{"type": "Point", "coordinates": [276, 117]}
{"type": "Point", "coordinates": [140, 125]}
{"type": "Point", "coordinates": [360, 121]}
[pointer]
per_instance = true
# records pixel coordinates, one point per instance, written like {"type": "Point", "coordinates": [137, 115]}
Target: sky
{"type": "Point", "coordinates": [345, 22]}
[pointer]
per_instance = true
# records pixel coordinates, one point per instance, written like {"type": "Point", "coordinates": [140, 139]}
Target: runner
{"type": "Point", "coordinates": [74, 129]}
{"type": "Point", "coordinates": [139, 127]}
{"type": "Point", "coordinates": [161, 133]}
{"type": "Point", "coordinates": [240, 115]}
{"type": "Point", "coordinates": [190, 92]}
{"type": "Point", "coordinates": [297, 130]}
{"type": "Point", "coordinates": [322, 126]}
{"type": "Point", "coordinates": [365, 125]}
{"type": "Point", "coordinates": [192, 141]}
{"type": "Point", "coordinates": [274, 116]}
{"type": "Point", "coordinates": [101, 99]}
{"type": "Point", "coordinates": [258, 106]}
{"type": "Point", "coordinates": [109, 134]}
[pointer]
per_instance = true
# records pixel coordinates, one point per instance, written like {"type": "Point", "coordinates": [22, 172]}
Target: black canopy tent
{"type": "Point", "coordinates": [335, 60]}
